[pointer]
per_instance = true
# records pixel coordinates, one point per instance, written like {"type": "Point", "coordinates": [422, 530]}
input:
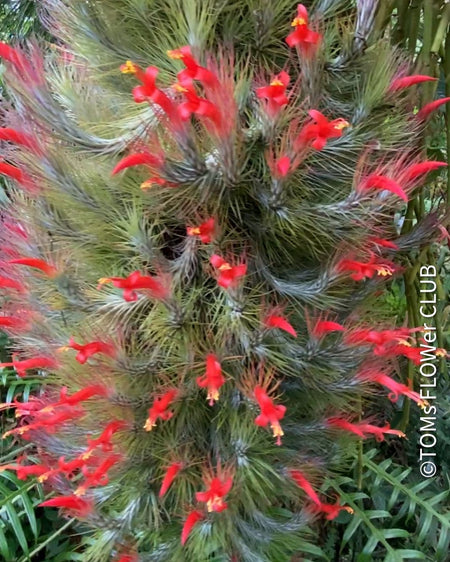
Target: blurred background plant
{"type": "Point", "coordinates": [399, 515]}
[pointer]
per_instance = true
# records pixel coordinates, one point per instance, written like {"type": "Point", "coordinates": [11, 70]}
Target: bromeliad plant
{"type": "Point", "coordinates": [214, 261]}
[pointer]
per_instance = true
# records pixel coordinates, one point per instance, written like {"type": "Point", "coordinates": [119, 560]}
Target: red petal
{"type": "Point", "coordinates": [192, 519]}
{"type": "Point", "coordinates": [425, 112]}
{"type": "Point", "coordinates": [407, 81]}
{"type": "Point", "coordinates": [274, 321]}
{"type": "Point", "coordinates": [324, 326]}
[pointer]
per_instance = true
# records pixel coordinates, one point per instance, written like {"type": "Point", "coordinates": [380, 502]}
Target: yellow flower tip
{"type": "Point", "coordinates": [440, 352]}
{"type": "Point", "coordinates": [225, 267]}
{"type": "Point", "coordinates": [128, 68]}
{"type": "Point", "coordinates": [349, 509]}
{"type": "Point", "coordinates": [277, 431]}
{"type": "Point", "coordinates": [175, 54]}
{"type": "Point", "coordinates": [193, 231]}
{"type": "Point", "coordinates": [402, 435]}
{"type": "Point", "coordinates": [63, 348]}
{"type": "Point", "coordinates": [423, 404]}
{"type": "Point", "coordinates": [47, 410]}
{"type": "Point", "coordinates": [86, 456]}
{"type": "Point", "coordinates": [298, 21]}
{"type": "Point", "coordinates": [149, 425]}
{"type": "Point", "coordinates": [43, 477]}
{"type": "Point", "coordinates": [80, 491]}
{"type": "Point", "coordinates": [148, 184]}
{"type": "Point", "coordinates": [214, 503]}
{"type": "Point", "coordinates": [276, 83]}
{"type": "Point", "coordinates": [384, 271]}
{"type": "Point", "coordinates": [179, 88]}
{"type": "Point", "coordinates": [104, 280]}
{"type": "Point", "coordinates": [405, 343]}
{"type": "Point", "coordinates": [343, 124]}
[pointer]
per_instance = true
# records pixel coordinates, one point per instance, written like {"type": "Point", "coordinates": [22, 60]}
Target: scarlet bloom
{"type": "Point", "coordinates": [375, 181]}
{"type": "Point", "coordinates": [381, 339]}
{"type": "Point", "coordinates": [193, 70]}
{"type": "Point", "coordinates": [275, 93]}
{"type": "Point", "coordinates": [23, 472]}
{"type": "Point", "coordinates": [13, 56]}
{"type": "Point", "coordinates": [204, 231]}
{"type": "Point", "coordinates": [22, 367]}
{"type": "Point", "coordinates": [283, 166]}
{"type": "Point", "coordinates": [416, 170]}
{"type": "Point", "coordinates": [397, 389]}
{"type": "Point", "coordinates": [99, 476]}
{"type": "Point", "coordinates": [405, 349]}
{"type": "Point", "coordinates": [6, 283]}
{"type": "Point", "coordinates": [77, 506]}
{"type": "Point", "coordinates": [17, 137]}
{"type": "Point", "coordinates": [270, 413]}
{"type": "Point", "coordinates": [366, 270]}
{"type": "Point", "coordinates": [305, 485]}
{"type": "Point", "coordinates": [428, 109]}
{"type": "Point", "coordinates": [138, 159]}
{"type": "Point", "coordinates": [276, 321]}
{"type": "Point", "coordinates": [320, 131]}
{"type": "Point", "coordinates": [192, 519]}
{"type": "Point", "coordinates": [169, 477]}
{"type": "Point", "coordinates": [363, 429]}
{"type": "Point", "coordinates": [16, 174]}
{"type": "Point", "coordinates": [213, 496]}
{"type": "Point", "coordinates": [89, 349]}
{"type": "Point", "coordinates": [148, 91]}
{"type": "Point", "coordinates": [213, 379]}
{"type": "Point", "coordinates": [81, 395]}
{"type": "Point", "coordinates": [160, 410]}
{"type": "Point", "coordinates": [228, 274]}
{"type": "Point", "coordinates": [195, 105]}
{"type": "Point", "coordinates": [13, 323]}
{"type": "Point", "coordinates": [408, 81]}
{"type": "Point", "coordinates": [332, 510]}
{"type": "Point", "coordinates": [323, 327]}
{"type": "Point", "coordinates": [303, 37]}
{"type": "Point", "coordinates": [36, 263]}
{"type": "Point", "coordinates": [134, 282]}
{"type": "Point", "coordinates": [383, 243]}
{"type": "Point", "coordinates": [104, 439]}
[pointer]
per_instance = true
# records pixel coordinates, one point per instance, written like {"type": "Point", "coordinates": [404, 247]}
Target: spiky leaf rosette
{"type": "Point", "coordinates": [193, 268]}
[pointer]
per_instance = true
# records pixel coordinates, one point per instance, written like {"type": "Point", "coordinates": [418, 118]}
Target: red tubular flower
{"type": "Point", "coordinates": [416, 170]}
{"type": "Point", "coordinates": [169, 477]}
{"type": "Point", "coordinates": [23, 472]}
{"type": "Point", "coordinates": [275, 321]}
{"type": "Point", "coordinates": [134, 282]}
{"type": "Point", "coordinates": [332, 510]}
{"type": "Point", "coordinates": [305, 485]}
{"type": "Point", "coordinates": [192, 519]}
{"type": "Point", "coordinates": [89, 349]}
{"type": "Point", "coordinates": [193, 70]}
{"type": "Point", "coordinates": [13, 323]}
{"type": "Point", "coordinates": [363, 429]}
{"type": "Point", "coordinates": [363, 270]}
{"type": "Point", "coordinates": [213, 496]}
{"type": "Point", "coordinates": [275, 93]}
{"type": "Point", "coordinates": [383, 243]}
{"type": "Point", "coordinates": [17, 137]}
{"type": "Point", "coordinates": [381, 339]}
{"type": "Point", "coordinates": [213, 379]}
{"type": "Point", "coordinates": [375, 181]}
{"type": "Point", "coordinates": [397, 389]}
{"type": "Point", "coordinates": [159, 410]}
{"type": "Point", "coordinates": [16, 174]}
{"type": "Point", "coordinates": [428, 109]}
{"type": "Point", "coordinates": [21, 367]}
{"type": "Point", "coordinates": [228, 274]}
{"type": "Point", "coordinates": [77, 506]}
{"type": "Point", "coordinates": [270, 413]}
{"type": "Point", "coordinates": [283, 166]}
{"type": "Point", "coordinates": [104, 439]}
{"type": "Point", "coordinates": [6, 283]}
{"type": "Point", "coordinates": [303, 37]}
{"type": "Point", "coordinates": [204, 231]}
{"type": "Point", "coordinates": [49, 423]}
{"type": "Point", "coordinates": [99, 476]}
{"type": "Point", "coordinates": [318, 133]}
{"type": "Point", "coordinates": [11, 55]}
{"type": "Point", "coordinates": [148, 91]}
{"type": "Point", "coordinates": [408, 81]}
{"type": "Point", "coordinates": [196, 105]}
{"type": "Point", "coordinates": [81, 395]}
{"type": "Point", "coordinates": [323, 327]}
{"type": "Point", "coordinates": [36, 263]}
{"type": "Point", "coordinates": [411, 353]}
{"type": "Point", "coordinates": [138, 159]}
